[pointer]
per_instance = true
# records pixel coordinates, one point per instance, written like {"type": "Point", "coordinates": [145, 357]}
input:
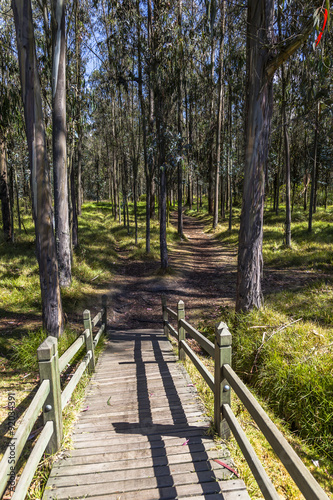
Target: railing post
{"type": "Point", "coordinates": [222, 393]}
{"type": "Point", "coordinates": [181, 331]}
{"type": "Point", "coordinates": [105, 313]}
{"type": "Point", "coordinates": [89, 338]}
{"type": "Point", "coordinates": [47, 354]}
{"type": "Point", "coordinates": [165, 316]}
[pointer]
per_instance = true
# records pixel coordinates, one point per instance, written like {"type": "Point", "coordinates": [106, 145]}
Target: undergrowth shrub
{"type": "Point", "coordinates": [289, 361]}
{"type": "Point", "coordinates": [24, 350]}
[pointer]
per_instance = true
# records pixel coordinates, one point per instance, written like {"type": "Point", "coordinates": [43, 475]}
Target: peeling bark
{"type": "Point", "coordinates": [40, 172]}
{"type": "Point", "coordinates": [59, 134]}
{"type": "Point", "coordinates": [4, 192]}
{"type": "Point", "coordinates": [258, 112]}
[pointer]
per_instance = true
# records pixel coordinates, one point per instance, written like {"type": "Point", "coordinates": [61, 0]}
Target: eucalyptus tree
{"type": "Point", "coordinates": [39, 166]}
{"type": "Point", "coordinates": [7, 98]}
{"type": "Point", "coordinates": [59, 135]}
{"type": "Point", "coordinates": [263, 59]}
{"type": "Point", "coordinates": [220, 114]}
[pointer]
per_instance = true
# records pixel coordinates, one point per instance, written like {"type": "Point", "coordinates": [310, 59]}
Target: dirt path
{"type": "Point", "coordinates": [204, 277]}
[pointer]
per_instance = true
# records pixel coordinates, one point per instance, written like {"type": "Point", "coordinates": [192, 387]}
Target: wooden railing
{"type": "Point", "coordinates": [221, 384]}
{"type": "Point", "coordinates": [51, 401]}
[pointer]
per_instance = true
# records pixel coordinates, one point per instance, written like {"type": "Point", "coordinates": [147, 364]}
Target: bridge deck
{"type": "Point", "coordinates": [144, 433]}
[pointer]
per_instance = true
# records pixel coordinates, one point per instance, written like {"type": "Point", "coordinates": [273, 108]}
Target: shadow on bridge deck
{"type": "Point", "coordinates": [144, 433]}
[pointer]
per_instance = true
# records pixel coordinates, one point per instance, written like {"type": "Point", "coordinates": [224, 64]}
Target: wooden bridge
{"type": "Point", "coordinates": [142, 433]}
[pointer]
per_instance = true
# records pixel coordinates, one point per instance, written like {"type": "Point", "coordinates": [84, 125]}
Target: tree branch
{"type": "Point", "coordinates": [289, 48]}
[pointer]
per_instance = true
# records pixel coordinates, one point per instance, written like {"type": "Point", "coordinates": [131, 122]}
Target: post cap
{"type": "Point", "coordinates": [222, 334]}
{"type": "Point", "coordinates": [47, 349]}
{"type": "Point", "coordinates": [86, 314]}
{"type": "Point", "coordinates": [181, 305]}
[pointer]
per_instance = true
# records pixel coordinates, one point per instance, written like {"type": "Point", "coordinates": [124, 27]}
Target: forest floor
{"type": "Point", "coordinates": [202, 273]}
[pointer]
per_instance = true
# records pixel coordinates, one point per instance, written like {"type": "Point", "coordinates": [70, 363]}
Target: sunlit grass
{"type": "Point", "coordinates": [279, 476]}
{"type": "Point", "coordinates": [313, 251]}
{"type": "Point", "coordinates": [285, 350]}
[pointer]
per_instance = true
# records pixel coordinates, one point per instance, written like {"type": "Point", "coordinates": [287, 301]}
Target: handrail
{"type": "Point", "coordinates": [49, 392]}
{"type": "Point", "coordinates": [14, 450]}
{"type": "Point", "coordinates": [172, 330]}
{"type": "Point", "coordinates": [32, 462]}
{"type": "Point", "coordinates": [96, 319]}
{"type": "Point", "coordinates": [70, 387]}
{"type": "Point", "coordinates": [203, 341]}
{"type": "Point", "coordinates": [172, 313]}
{"type": "Point", "coordinates": [71, 351]}
{"type": "Point", "coordinates": [99, 334]}
{"type": "Point", "coordinates": [294, 465]}
{"type": "Point", "coordinates": [225, 419]}
{"type": "Point", "coordinates": [253, 461]}
{"type": "Point", "coordinates": [199, 365]}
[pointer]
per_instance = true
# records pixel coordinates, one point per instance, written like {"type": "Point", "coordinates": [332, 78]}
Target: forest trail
{"type": "Point", "coordinates": [203, 275]}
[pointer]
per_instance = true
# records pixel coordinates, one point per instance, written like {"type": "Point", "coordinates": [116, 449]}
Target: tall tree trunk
{"type": "Point", "coordinates": [17, 200]}
{"type": "Point", "coordinates": [314, 170]}
{"type": "Point", "coordinates": [261, 66]}
{"type": "Point", "coordinates": [287, 160]}
{"type": "Point", "coordinates": [144, 129]}
{"type": "Point", "coordinates": [230, 158]}
{"type": "Point", "coordinates": [278, 173]}
{"type": "Point", "coordinates": [220, 116]}
{"type": "Point", "coordinates": [4, 191]}
{"type": "Point", "coordinates": [258, 113]}
{"type": "Point", "coordinates": [78, 108]}
{"type": "Point", "coordinates": [151, 96]}
{"type": "Point", "coordinates": [163, 184]}
{"type": "Point", "coordinates": [40, 174]}
{"type": "Point", "coordinates": [11, 201]}
{"type": "Point", "coordinates": [59, 133]}
{"type": "Point", "coordinates": [179, 126]}
{"type": "Point", "coordinates": [211, 171]}
{"type": "Point", "coordinates": [75, 232]}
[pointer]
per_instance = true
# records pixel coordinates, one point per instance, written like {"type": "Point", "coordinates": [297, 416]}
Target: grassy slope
{"type": "Point", "coordinates": [20, 310]}
{"type": "Point", "coordinates": [285, 350]}
{"type": "Point", "coordinates": [94, 261]}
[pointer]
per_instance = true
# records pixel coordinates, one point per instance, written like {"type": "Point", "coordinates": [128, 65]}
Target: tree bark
{"type": "Point", "coordinates": [220, 116]}
{"type": "Point", "coordinates": [40, 174]}
{"type": "Point", "coordinates": [78, 108]}
{"type": "Point", "coordinates": [75, 232]}
{"type": "Point", "coordinates": [258, 113]}
{"type": "Point", "coordinates": [59, 133]}
{"type": "Point", "coordinates": [211, 171]}
{"type": "Point", "coordinates": [180, 128]}
{"type": "Point", "coordinates": [144, 129]}
{"type": "Point", "coordinates": [314, 170]}
{"type": "Point", "coordinates": [163, 186]}
{"type": "Point", "coordinates": [287, 160]}
{"type": "Point", "coordinates": [4, 191]}
{"type": "Point", "coordinates": [261, 65]}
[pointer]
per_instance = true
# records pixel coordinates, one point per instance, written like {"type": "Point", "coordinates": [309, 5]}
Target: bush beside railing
{"type": "Point", "coordinates": [224, 418]}
{"type": "Point", "coordinates": [51, 400]}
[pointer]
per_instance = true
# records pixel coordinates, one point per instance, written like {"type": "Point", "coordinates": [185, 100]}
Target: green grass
{"type": "Point", "coordinates": [94, 263]}
{"type": "Point", "coordinates": [285, 350]}
{"type": "Point", "coordinates": [292, 372]}
{"type": "Point", "coordinates": [279, 476]}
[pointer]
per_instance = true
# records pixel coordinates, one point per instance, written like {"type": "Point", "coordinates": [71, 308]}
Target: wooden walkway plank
{"type": "Point", "coordinates": [143, 433]}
